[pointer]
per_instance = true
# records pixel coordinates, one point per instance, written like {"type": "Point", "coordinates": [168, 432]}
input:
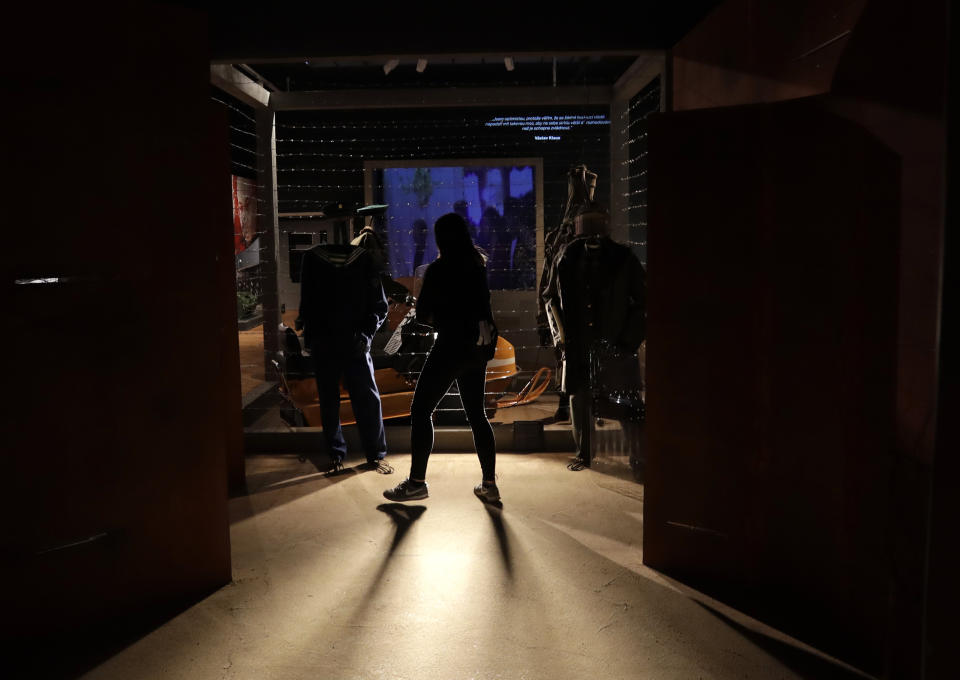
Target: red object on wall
{"type": "Point", "coordinates": [244, 212]}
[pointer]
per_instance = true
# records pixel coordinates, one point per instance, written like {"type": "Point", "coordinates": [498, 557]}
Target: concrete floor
{"type": "Point", "coordinates": [331, 581]}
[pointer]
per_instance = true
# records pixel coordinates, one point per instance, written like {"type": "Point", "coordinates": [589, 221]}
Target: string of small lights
{"type": "Point", "coordinates": [375, 153]}
{"type": "Point", "coordinates": [634, 128]}
{"type": "Point", "coordinates": [645, 99]}
{"type": "Point", "coordinates": [390, 140]}
{"type": "Point", "coordinates": [319, 201]}
{"type": "Point", "coordinates": [241, 131]}
{"type": "Point", "coordinates": [242, 148]}
{"type": "Point", "coordinates": [377, 187]}
{"type": "Point", "coordinates": [221, 99]}
{"type": "Point", "coordinates": [415, 123]}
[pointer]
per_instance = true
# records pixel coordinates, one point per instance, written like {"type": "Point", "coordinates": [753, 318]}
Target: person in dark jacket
{"type": "Point", "coordinates": [342, 304]}
{"type": "Point", "coordinates": [454, 300]}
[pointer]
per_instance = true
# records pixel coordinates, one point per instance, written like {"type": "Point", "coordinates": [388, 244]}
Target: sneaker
{"type": "Point", "coordinates": [406, 491]}
{"type": "Point", "coordinates": [488, 494]}
{"type": "Point", "coordinates": [578, 464]}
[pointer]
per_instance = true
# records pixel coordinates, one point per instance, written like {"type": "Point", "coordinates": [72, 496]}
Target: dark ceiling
{"type": "Point", "coordinates": [327, 46]}
{"type": "Point", "coordinates": [441, 71]}
{"type": "Point", "coordinates": [269, 31]}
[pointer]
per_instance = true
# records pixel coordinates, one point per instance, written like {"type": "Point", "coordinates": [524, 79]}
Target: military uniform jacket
{"type": "Point", "coordinates": [602, 296]}
{"type": "Point", "coordinates": [340, 294]}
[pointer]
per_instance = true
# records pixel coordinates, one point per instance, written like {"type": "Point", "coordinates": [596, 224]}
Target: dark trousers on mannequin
{"type": "Point", "coordinates": [577, 382]}
{"type": "Point", "coordinates": [332, 363]}
{"type": "Point", "coordinates": [581, 416]}
{"type": "Point", "coordinates": [443, 366]}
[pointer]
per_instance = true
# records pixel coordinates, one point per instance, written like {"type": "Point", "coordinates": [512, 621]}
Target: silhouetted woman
{"type": "Point", "coordinates": [454, 300]}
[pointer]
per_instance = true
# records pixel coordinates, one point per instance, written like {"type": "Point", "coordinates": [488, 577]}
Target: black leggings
{"type": "Point", "coordinates": [443, 366]}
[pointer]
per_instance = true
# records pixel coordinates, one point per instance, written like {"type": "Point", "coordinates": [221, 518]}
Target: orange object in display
{"type": "Point", "coordinates": [396, 390]}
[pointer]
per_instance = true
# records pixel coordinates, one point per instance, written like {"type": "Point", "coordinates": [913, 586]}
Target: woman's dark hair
{"type": "Point", "coordinates": [453, 239]}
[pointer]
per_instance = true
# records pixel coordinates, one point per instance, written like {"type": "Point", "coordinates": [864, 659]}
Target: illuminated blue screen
{"type": "Point", "coordinates": [498, 202]}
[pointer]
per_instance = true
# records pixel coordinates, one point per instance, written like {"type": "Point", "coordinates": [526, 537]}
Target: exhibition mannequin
{"type": "Point", "coordinates": [596, 308]}
{"type": "Point", "coordinates": [581, 184]}
{"type": "Point", "coordinates": [342, 304]}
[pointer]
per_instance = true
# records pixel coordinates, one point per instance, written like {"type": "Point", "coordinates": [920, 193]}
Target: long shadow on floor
{"type": "Point", "coordinates": [495, 511]}
{"type": "Point", "coordinates": [403, 517]}
{"type": "Point", "coordinates": [296, 470]}
{"type": "Point", "coordinates": [797, 659]}
{"type": "Point", "coordinates": [289, 485]}
{"type": "Point", "coordinates": [295, 473]}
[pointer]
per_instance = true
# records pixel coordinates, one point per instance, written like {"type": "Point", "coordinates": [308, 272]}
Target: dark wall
{"type": "Point", "coordinates": [943, 563]}
{"type": "Point", "coordinates": [115, 433]}
{"type": "Point", "coordinates": [749, 51]}
{"type": "Point", "coordinates": [886, 62]}
{"type": "Point", "coordinates": [771, 368]}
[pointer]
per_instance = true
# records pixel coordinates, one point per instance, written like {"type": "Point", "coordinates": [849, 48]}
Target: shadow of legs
{"type": "Point", "coordinates": [495, 511]}
{"type": "Point", "coordinates": [403, 517]}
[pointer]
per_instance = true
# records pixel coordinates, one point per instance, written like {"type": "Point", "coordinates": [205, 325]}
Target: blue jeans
{"type": "Point", "coordinates": [332, 363]}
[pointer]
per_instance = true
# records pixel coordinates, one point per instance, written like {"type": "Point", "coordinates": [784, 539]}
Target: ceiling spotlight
{"type": "Point", "coordinates": [390, 65]}
{"type": "Point", "coordinates": [421, 65]}
{"type": "Point", "coordinates": [508, 62]}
